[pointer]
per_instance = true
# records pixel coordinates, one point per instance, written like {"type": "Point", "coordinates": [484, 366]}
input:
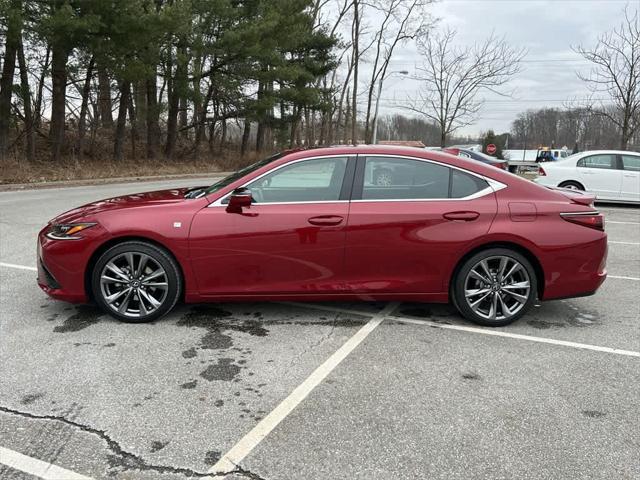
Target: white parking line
{"type": "Point", "coordinates": [635, 279]}
{"type": "Point", "coordinates": [480, 330]}
{"type": "Point", "coordinates": [622, 223]}
{"type": "Point", "coordinates": [529, 338]}
{"type": "Point", "coordinates": [19, 267]}
{"type": "Point", "coordinates": [36, 467]}
{"type": "Point", "coordinates": [240, 450]}
{"type": "Point", "coordinates": [625, 243]}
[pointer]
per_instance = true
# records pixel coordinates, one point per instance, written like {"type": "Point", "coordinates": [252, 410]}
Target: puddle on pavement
{"type": "Point", "coordinates": [567, 315]}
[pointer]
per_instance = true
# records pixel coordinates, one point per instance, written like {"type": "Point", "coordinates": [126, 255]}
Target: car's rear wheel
{"type": "Point", "coordinates": [136, 282]}
{"type": "Point", "coordinates": [495, 287]}
{"type": "Point", "coordinates": [571, 185]}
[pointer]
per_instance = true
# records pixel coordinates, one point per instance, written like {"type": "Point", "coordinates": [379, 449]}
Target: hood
{"type": "Point", "coordinates": [135, 200]}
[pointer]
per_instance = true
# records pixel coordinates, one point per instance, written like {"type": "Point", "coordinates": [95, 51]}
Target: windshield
{"type": "Point", "coordinates": [239, 174]}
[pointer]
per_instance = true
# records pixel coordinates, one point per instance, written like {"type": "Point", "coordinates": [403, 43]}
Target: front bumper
{"type": "Point", "coordinates": [62, 264]}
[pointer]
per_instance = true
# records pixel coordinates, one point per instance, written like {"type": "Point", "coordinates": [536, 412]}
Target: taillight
{"type": "Point", "coordinates": [541, 172]}
{"type": "Point", "coordinates": [592, 220]}
{"type": "Point", "coordinates": [501, 165]}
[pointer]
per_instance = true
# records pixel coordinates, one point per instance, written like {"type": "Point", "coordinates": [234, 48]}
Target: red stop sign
{"type": "Point", "coordinates": [491, 149]}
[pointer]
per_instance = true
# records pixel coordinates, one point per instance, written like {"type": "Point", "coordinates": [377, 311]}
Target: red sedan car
{"type": "Point", "coordinates": [314, 225]}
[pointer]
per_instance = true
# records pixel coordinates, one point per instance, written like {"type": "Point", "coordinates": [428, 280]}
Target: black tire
{"type": "Point", "coordinates": [572, 184]}
{"type": "Point", "coordinates": [158, 256]}
{"type": "Point", "coordinates": [461, 302]}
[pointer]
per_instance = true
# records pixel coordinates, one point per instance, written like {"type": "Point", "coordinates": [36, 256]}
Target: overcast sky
{"type": "Point", "coordinates": [547, 29]}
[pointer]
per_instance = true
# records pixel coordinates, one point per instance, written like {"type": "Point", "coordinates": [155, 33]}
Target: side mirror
{"type": "Point", "coordinates": [241, 197]}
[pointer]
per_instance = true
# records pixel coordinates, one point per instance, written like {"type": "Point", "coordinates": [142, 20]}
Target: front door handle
{"type": "Point", "coordinates": [461, 216]}
{"type": "Point", "coordinates": [326, 220]}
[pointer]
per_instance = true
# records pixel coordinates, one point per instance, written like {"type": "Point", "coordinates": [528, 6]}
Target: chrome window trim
{"type": "Point", "coordinates": [493, 187]}
{"type": "Point", "coordinates": [218, 202]}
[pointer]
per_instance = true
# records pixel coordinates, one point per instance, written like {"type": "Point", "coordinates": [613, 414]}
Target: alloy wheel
{"type": "Point", "coordinates": [497, 287]}
{"type": "Point", "coordinates": [134, 284]}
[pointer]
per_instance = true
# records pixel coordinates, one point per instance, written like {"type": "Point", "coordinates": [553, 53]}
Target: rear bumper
{"type": "Point", "coordinates": [577, 271]}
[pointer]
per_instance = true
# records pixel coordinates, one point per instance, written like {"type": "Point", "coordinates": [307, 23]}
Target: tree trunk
{"type": "Point", "coordinates": [133, 114]}
{"type": "Point", "coordinates": [140, 89]}
{"type": "Point", "coordinates": [118, 144]}
{"type": "Point", "coordinates": [246, 133]}
{"type": "Point", "coordinates": [59, 56]}
{"type": "Point", "coordinates": [104, 98]}
{"type": "Point", "coordinates": [26, 101]}
{"type": "Point", "coordinates": [86, 90]}
{"type": "Point", "coordinates": [6, 84]}
{"type": "Point", "coordinates": [37, 108]}
{"type": "Point", "coordinates": [153, 122]}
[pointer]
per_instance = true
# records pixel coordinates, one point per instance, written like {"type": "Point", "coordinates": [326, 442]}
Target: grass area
{"type": "Point", "coordinates": [20, 171]}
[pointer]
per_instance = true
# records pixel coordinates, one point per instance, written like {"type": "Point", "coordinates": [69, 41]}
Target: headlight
{"type": "Point", "coordinates": [68, 231]}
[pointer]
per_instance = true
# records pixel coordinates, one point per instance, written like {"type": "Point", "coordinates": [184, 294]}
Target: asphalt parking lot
{"type": "Point", "coordinates": [314, 391]}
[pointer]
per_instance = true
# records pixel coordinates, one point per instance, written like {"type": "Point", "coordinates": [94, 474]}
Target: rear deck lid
{"type": "Point", "coordinates": [576, 196]}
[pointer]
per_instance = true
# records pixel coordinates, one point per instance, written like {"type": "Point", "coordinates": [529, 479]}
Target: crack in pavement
{"type": "Point", "coordinates": [322, 339]}
{"type": "Point", "coordinates": [128, 460]}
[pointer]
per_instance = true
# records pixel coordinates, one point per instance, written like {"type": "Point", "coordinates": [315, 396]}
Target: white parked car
{"type": "Point", "coordinates": [612, 175]}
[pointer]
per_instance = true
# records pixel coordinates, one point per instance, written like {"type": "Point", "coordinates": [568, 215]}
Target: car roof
{"type": "Point", "coordinates": [601, 152]}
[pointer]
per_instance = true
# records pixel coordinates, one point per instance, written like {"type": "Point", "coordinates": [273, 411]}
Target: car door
{"type": "Point", "coordinates": [403, 237]}
{"type": "Point", "coordinates": [630, 177]}
{"type": "Point", "coordinates": [290, 240]}
{"type": "Point", "coordinates": [599, 174]}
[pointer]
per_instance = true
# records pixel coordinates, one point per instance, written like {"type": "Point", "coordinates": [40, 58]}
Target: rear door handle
{"type": "Point", "coordinates": [461, 216]}
{"type": "Point", "coordinates": [326, 220]}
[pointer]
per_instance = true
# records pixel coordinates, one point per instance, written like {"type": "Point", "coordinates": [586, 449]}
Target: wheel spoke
{"type": "Point", "coordinates": [152, 275]}
{"type": "Point", "coordinates": [161, 285]}
{"type": "Point", "coordinates": [125, 303]}
{"type": "Point", "coordinates": [115, 269]}
{"type": "Point", "coordinates": [476, 291]}
{"type": "Point", "coordinates": [143, 307]}
{"type": "Point", "coordinates": [485, 267]}
{"type": "Point", "coordinates": [115, 296]}
{"type": "Point", "coordinates": [515, 268]}
{"type": "Point", "coordinates": [477, 302]}
{"type": "Point", "coordinates": [517, 285]}
{"type": "Point", "coordinates": [130, 262]}
{"type": "Point", "coordinates": [479, 277]}
{"type": "Point", "coordinates": [154, 303]}
{"type": "Point", "coordinates": [494, 306]}
{"type": "Point", "coordinates": [107, 279]}
{"type": "Point", "coordinates": [503, 265]}
{"type": "Point", "coordinates": [141, 264]}
{"type": "Point", "coordinates": [517, 296]}
{"type": "Point", "coordinates": [506, 311]}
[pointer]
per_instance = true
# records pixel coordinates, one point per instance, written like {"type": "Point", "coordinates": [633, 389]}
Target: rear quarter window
{"type": "Point", "coordinates": [464, 185]}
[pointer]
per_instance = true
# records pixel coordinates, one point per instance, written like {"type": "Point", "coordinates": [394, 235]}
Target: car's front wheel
{"type": "Point", "coordinates": [495, 287]}
{"type": "Point", "coordinates": [136, 282]}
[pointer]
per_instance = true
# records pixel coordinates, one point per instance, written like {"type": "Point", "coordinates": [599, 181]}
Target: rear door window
{"type": "Point", "coordinates": [631, 163]}
{"type": "Point", "coordinates": [603, 161]}
{"type": "Point", "coordinates": [407, 179]}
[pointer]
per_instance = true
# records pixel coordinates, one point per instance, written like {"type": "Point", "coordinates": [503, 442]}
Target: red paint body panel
{"type": "Point", "coordinates": [268, 249]}
{"type": "Point", "coordinates": [400, 250]}
{"type": "Point", "coordinates": [409, 247]}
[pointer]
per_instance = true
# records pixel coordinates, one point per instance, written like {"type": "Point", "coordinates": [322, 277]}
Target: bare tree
{"type": "Point", "coordinates": [401, 20]}
{"type": "Point", "coordinates": [453, 77]}
{"type": "Point", "coordinates": [616, 72]}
